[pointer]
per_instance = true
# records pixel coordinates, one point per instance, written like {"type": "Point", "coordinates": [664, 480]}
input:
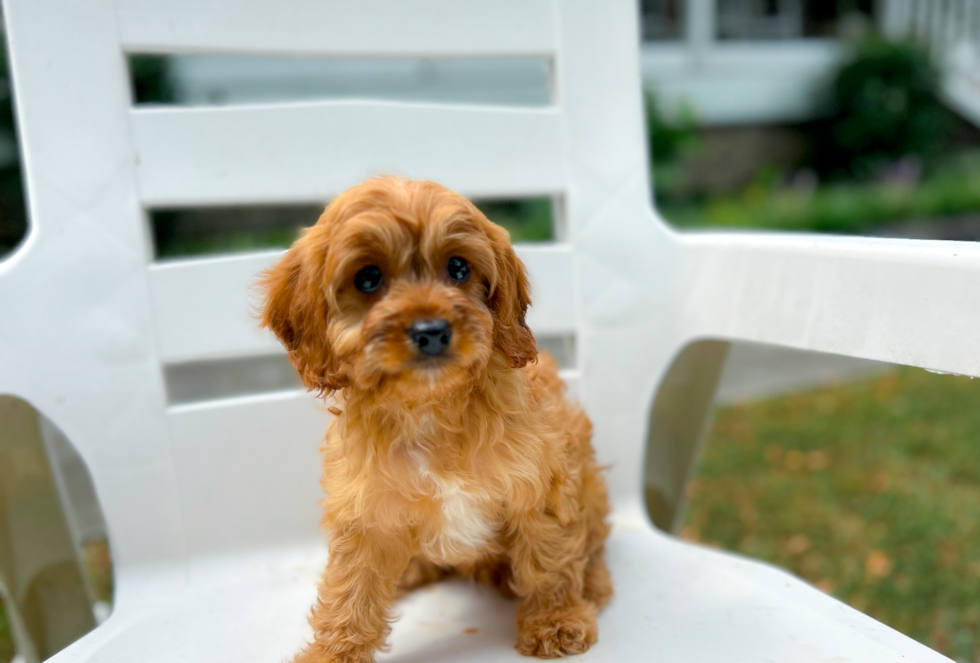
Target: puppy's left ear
{"type": "Point", "coordinates": [509, 299]}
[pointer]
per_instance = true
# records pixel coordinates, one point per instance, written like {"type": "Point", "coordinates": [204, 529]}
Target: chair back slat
{"type": "Point", "coordinates": [367, 27]}
{"type": "Point", "coordinates": [223, 155]}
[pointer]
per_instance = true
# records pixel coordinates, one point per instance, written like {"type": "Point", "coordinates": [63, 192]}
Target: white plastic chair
{"type": "Point", "coordinates": [212, 507]}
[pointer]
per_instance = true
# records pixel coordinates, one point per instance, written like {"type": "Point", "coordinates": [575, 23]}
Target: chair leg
{"type": "Point", "coordinates": [46, 592]}
{"type": "Point", "coordinates": [23, 642]}
{"type": "Point", "coordinates": [679, 420]}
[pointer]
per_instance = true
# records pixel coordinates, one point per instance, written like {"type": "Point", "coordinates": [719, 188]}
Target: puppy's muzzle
{"type": "Point", "coordinates": [431, 336]}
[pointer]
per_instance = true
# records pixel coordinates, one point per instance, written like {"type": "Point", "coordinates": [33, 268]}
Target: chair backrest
{"type": "Point", "coordinates": [89, 320]}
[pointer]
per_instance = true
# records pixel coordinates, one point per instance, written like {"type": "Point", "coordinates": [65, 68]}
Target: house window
{"type": "Point", "coordinates": [662, 20]}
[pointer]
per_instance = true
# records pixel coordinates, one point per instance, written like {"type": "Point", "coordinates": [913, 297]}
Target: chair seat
{"type": "Point", "coordinates": [674, 602]}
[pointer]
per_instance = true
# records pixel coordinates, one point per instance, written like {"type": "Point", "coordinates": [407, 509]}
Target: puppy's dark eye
{"type": "Point", "coordinates": [458, 270]}
{"type": "Point", "coordinates": [368, 279]}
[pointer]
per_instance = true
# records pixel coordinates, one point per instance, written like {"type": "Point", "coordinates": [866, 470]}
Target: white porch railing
{"type": "Point", "coordinates": [952, 30]}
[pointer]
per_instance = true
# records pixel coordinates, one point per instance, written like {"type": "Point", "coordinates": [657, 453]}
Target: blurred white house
{"type": "Point", "coordinates": [731, 61]}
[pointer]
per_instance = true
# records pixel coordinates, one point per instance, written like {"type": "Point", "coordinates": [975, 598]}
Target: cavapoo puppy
{"type": "Point", "coordinates": [453, 449]}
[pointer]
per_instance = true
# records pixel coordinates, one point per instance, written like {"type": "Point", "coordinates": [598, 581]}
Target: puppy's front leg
{"type": "Point", "coordinates": [351, 616]}
{"type": "Point", "coordinates": [548, 559]}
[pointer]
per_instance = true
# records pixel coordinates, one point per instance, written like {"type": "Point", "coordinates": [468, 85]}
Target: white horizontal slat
{"type": "Point", "coordinates": [573, 383]}
{"type": "Point", "coordinates": [252, 465]}
{"type": "Point", "coordinates": [312, 151]}
{"type": "Point", "coordinates": [206, 309]}
{"type": "Point", "coordinates": [369, 27]}
{"type": "Point", "coordinates": [553, 309]}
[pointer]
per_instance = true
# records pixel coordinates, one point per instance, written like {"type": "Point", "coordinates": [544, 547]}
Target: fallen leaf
{"type": "Point", "coordinates": [796, 544]}
{"type": "Point", "coordinates": [690, 533]}
{"type": "Point", "coordinates": [880, 482]}
{"type": "Point", "coordinates": [818, 460]}
{"type": "Point", "coordinates": [877, 565]}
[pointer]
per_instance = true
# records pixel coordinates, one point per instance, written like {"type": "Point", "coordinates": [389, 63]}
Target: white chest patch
{"type": "Point", "coordinates": [464, 526]}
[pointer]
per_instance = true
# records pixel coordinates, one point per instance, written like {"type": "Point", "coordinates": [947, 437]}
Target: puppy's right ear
{"type": "Point", "coordinates": [279, 284]}
{"type": "Point", "coordinates": [296, 312]}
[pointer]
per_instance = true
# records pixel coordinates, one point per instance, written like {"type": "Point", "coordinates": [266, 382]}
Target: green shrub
{"type": "Point", "coordinates": [151, 79]}
{"type": "Point", "coordinates": [882, 105]}
{"type": "Point", "coordinates": [843, 207]}
{"type": "Point", "coordinates": [669, 140]}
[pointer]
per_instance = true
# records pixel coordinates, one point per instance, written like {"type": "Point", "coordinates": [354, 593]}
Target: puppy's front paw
{"type": "Point", "coordinates": [317, 653]}
{"type": "Point", "coordinates": [562, 633]}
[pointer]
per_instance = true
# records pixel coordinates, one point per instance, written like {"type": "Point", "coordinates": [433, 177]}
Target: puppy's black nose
{"type": "Point", "coordinates": [431, 336]}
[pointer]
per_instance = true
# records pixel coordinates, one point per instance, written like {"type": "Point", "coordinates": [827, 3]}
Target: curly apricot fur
{"type": "Point", "coordinates": [471, 463]}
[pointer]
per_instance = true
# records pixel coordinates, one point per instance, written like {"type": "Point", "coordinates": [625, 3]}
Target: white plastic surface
{"type": "Point", "coordinates": [219, 155]}
{"type": "Point", "coordinates": [211, 506]}
{"type": "Point", "coordinates": [367, 27]}
{"type": "Point", "coordinates": [675, 602]}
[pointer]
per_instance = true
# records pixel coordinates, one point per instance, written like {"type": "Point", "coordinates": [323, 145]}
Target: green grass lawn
{"type": "Point", "coordinates": [870, 490]}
